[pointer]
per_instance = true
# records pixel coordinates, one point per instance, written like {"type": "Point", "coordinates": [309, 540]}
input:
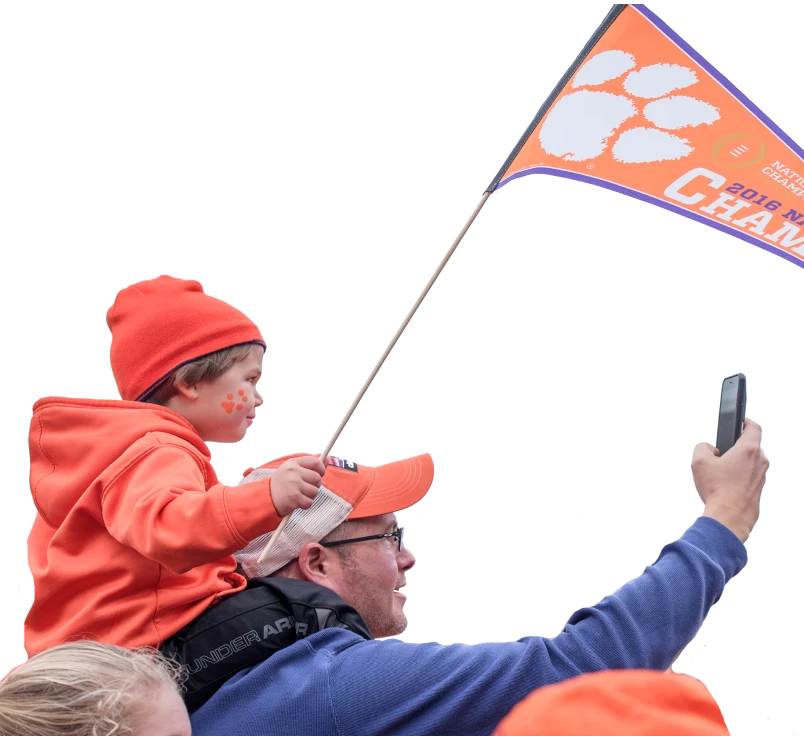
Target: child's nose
{"type": "Point", "coordinates": [257, 398]}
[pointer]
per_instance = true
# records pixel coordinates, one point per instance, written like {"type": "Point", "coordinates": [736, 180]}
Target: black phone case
{"type": "Point", "coordinates": [733, 396]}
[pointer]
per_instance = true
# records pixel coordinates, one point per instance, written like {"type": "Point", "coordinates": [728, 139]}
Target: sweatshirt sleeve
{"type": "Point", "coordinates": [460, 689]}
{"type": "Point", "coordinates": [159, 506]}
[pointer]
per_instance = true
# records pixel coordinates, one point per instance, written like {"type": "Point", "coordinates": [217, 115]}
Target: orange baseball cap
{"type": "Point", "coordinates": [348, 491]}
{"type": "Point", "coordinates": [618, 703]}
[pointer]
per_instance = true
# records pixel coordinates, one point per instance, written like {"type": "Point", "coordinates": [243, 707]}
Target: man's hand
{"type": "Point", "coordinates": [730, 486]}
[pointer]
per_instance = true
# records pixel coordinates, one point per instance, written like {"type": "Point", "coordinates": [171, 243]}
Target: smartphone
{"type": "Point", "coordinates": [732, 412]}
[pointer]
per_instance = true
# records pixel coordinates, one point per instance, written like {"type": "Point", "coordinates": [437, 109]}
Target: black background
{"type": "Point", "coordinates": [314, 172]}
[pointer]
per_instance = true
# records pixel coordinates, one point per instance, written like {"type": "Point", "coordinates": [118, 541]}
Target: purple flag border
{"type": "Point", "coordinates": [606, 184]}
{"type": "Point", "coordinates": [661, 26]}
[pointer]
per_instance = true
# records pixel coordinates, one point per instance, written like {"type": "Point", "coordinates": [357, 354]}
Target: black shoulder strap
{"type": "Point", "coordinates": [249, 626]}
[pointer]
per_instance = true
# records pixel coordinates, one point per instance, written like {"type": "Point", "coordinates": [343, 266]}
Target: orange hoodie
{"type": "Point", "coordinates": [618, 703]}
{"type": "Point", "coordinates": [134, 535]}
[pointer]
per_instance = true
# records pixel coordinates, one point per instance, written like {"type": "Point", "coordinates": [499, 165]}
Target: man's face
{"type": "Point", "coordinates": [372, 574]}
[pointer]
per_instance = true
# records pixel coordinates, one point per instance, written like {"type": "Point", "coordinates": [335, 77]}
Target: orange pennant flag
{"type": "Point", "coordinates": [642, 113]}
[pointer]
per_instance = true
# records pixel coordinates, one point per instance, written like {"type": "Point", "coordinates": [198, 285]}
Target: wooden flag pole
{"type": "Point", "coordinates": [377, 367]}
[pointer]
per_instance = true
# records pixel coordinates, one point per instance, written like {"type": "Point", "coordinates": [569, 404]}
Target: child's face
{"type": "Point", "coordinates": [226, 407]}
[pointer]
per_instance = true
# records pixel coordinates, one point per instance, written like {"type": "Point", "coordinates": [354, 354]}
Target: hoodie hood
{"type": "Point", "coordinates": [73, 441]}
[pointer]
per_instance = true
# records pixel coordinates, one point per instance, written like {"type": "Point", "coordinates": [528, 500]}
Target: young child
{"type": "Point", "coordinates": [134, 534]}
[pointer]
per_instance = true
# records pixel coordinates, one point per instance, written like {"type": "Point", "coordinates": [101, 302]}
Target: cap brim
{"type": "Point", "coordinates": [396, 486]}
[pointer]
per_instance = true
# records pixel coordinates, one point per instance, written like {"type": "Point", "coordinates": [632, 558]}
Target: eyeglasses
{"type": "Point", "coordinates": [397, 534]}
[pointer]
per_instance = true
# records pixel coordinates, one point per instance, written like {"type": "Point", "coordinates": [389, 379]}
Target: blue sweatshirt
{"type": "Point", "coordinates": [335, 683]}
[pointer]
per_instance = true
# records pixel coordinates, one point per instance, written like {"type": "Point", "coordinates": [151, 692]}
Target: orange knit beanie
{"type": "Point", "coordinates": [161, 324]}
{"type": "Point", "coordinates": [618, 703]}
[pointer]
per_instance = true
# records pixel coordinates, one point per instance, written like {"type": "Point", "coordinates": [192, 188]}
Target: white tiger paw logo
{"type": "Point", "coordinates": [581, 123]}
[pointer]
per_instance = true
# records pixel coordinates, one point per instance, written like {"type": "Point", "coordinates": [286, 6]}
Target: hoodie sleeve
{"type": "Point", "coordinates": [158, 504]}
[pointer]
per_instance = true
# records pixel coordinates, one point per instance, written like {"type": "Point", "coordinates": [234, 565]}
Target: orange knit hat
{"type": "Point", "coordinates": [618, 703]}
{"type": "Point", "coordinates": [161, 324]}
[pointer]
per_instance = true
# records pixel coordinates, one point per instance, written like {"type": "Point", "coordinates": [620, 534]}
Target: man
{"type": "Point", "coordinates": [330, 674]}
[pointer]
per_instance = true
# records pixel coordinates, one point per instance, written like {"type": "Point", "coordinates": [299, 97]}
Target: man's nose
{"type": "Point", "coordinates": [406, 560]}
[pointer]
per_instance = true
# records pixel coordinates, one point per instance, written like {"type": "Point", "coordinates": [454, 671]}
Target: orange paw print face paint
{"type": "Point", "coordinates": [229, 405]}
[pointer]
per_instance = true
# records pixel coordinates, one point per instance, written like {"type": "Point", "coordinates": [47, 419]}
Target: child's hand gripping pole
{"type": "Point", "coordinates": [282, 524]}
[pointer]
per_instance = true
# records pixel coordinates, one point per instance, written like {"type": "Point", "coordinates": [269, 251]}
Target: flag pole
{"type": "Point", "coordinates": [333, 439]}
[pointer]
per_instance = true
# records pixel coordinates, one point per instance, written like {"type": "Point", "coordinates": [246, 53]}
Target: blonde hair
{"type": "Point", "coordinates": [83, 689]}
{"type": "Point", "coordinates": [206, 368]}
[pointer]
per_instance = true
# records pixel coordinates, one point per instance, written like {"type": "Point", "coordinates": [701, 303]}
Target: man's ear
{"type": "Point", "coordinates": [319, 564]}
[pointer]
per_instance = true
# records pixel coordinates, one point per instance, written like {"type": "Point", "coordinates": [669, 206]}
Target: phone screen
{"type": "Point", "coordinates": [732, 412]}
